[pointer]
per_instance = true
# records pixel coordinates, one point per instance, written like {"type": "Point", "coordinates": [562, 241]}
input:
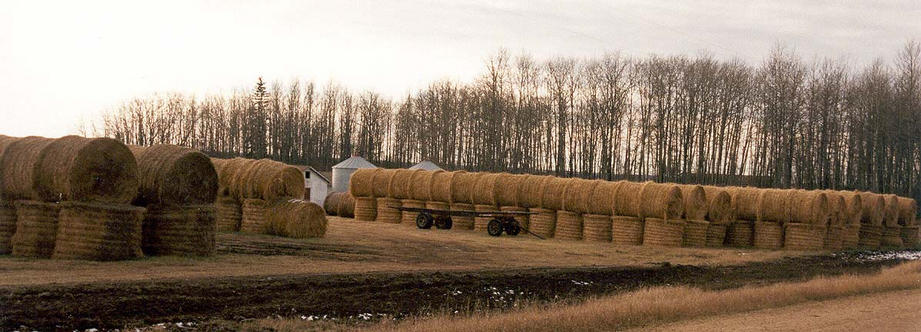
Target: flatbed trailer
{"type": "Point", "coordinates": [502, 221]}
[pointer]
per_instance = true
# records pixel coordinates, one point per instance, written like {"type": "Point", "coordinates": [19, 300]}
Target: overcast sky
{"type": "Point", "coordinates": [64, 62]}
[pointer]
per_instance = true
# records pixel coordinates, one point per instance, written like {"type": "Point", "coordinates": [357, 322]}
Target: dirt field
{"type": "Point", "coordinates": [384, 271]}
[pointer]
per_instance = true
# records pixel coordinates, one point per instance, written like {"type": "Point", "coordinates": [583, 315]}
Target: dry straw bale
{"type": "Point", "coordinates": [891, 237]}
{"type": "Point", "coordinates": [253, 220]}
{"type": "Point", "coordinates": [695, 201]}
{"type": "Point", "coordinates": [346, 206]}
{"type": "Point", "coordinates": [74, 168]}
{"type": "Point", "coordinates": [330, 204]}
{"type": "Point", "coordinates": [850, 236]}
{"type": "Point", "coordinates": [462, 223]}
{"type": "Point", "coordinates": [361, 183]}
{"type": "Point", "coordinates": [179, 230]}
{"type": "Point", "coordinates": [420, 187]}
{"type": "Point", "coordinates": [97, 231]}
{"type": "Point", "coordinates": [481, 223]}
{"type": "Point", "coordinates": [387, 212]}
{"type": "Point", "coordinates": [507, 188]}
{"type": "Point", "coordinates": [543, 223]}
{"type": "Point", "coordinates": [441, 186]}
{"type": "Point", "coordinates": [719, 204]}
{"type": "Point", "coordinates": [601, 198]}
{"type": "Point", "coordinates": [409, 217]}
{"type": "Point", "coordinates": [381, 181]}
{"type": "Point", "coordinates": [227, 172]}
{"type": "Point", "coordinates": [401, 183]}
{"type": "Point", "coordinates": [716, 234]}
{"type": "Point", "coordinates": [908, 211]}
{"type": "Point", "coordinates": [768, 235]}
{"type": "Point", "coordinates": [17, 168]}
{"type": "Point", "coordinates": [522, 219]}
{"type": "Point", "coordinates": [484, 191]}
{"type": "Point", "coordinates": [229, 214]}
{"type": "Point", "coordinates": [809, 207]}
{"type": "Point", "coordinates": [774, 205]}
{"type": "Point", "coordinates": [663, 233]}
{"type": "Point", "coordinates": [853, 207]}
{"type": "Point", "coordinates": [627, 199]}
{"type": "Point", "coordinates": [552, 193]}
{"type": "Point", "coordinates": [910, 236]}
{"type": "Point", "coordinates": [596, 227]}
{"type": "Point", "coordinates": [695, 233]}
{"type": "Point", "coordinates": [271, 180]}
{"type": "Point", "coordinates": [568, 225]}
{"type": "Point", "coordinates": [803, 236]}
{"type": "Point", "coordinates": [578, 194]}
{"type": "Point", "coordinates": [462, 186]}
{"type": "Point", "coordinates": [872, 206]}
{"type": "Point", "coordinates": [36, 228]}
{"type": "Point", "coordinates": [740, 233]}
{"type": "Point", "coordinates": [296, 218]}
{"type": "Point", "coordinates": [529, 191]}
{"type": "Point", "coordinates": [833, 240]}
{"type": "Point", "coordinates": [436, 205]}
{"type": "Point", "coordinates": [365, 208]}
{"type": "Point", "coordinates": [745, 202]}
{"type": "Point", "coordinates": [174, 175]}
{"type": "Point", "coordinates": [649, 199]}
{"type": "Point", "coordinates": [870, 236]}
{"type": "Point", "coordinates": [7, 226]}
{"type": "Point", "coordinates": [837, 208]}
{"type": "Point", "coordinates": [626, 230]}
{"type": "Point", "coordinates": [891, 210]}
{"type": "Point", "coordinates": [5, 141]}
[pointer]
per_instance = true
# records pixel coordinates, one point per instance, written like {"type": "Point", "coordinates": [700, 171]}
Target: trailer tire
{"type": "Point", "coordinates": [494, 227]}
{"type": "Point", "coordinates": [443, 222]}
{"type": "Point", "coordinates": [424, 220]}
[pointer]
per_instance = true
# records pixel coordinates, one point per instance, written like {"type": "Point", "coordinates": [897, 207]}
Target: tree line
{"type": "Point", "coordinates": [784, 122]}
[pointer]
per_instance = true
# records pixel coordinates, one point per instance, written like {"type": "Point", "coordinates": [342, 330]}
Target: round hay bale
{"type": "Point", "coordinates": [17, 168]}
{"type": "Point", "coordinates": [627, 230]}
{"type": "Point", "coordinates": [421, 185]}
{"type": "Point", "coordinates": [627, 200]}
{"type": "Point", "coordinates": [346, 206]}
{"type": "Point", "coordinates": [101, 232]}
{"type": "Point", "coordinates": [5, 141]}
{"type": "Point", "coordinates": [853, 207]}
{"type": "Point", "coordinates": [872, 208]}
{"type": "Point", "coordinates": [716, 234]}
{"type": "Point", "coordinates": [596, 227]}
{"type": "Point", "coordinates": [908, 211]}
{"type": "Point", "coordinates": [462, 223]}
{"type": "Point", "coordinates": [891, 210]}
{"type": "Point", "coordinates": [529, 190]}
{"type": "Point", "coordinates": [253, 219]}
{"type": "Point", "coordinates": [380, 185]}
{"type": "Point", "coordinates": [361, 183]}
{"type": "Point", "coordinates": [74, 168]}
{"type": "Point", "coordinates": [910, 236]}
{"type": "Point", "coordinates": [441, 186]}
{"type": "Point", "coordinates": [462, 186]}
{"type": "Point", "coordinates": [484, 191]}
{"type": "Point", "coordinates": [891, 237]}
{"type": "Point", "coordinates": [601, 198]}
{"type": "Point", "coordinates": [401, 183]}
{"type": "Point", "coordinates": [553, 193]}
{"type": "Point", "coordinates": [543, 223]}
{"type": "Point", "coordinates": [408, 218]}
{"type": "Point", "coordinates": [264, 179]}
{"type": "Point", "coordinates": [663, 233]}
{"type": "Point", "coordinates": [296, 218]}
{"type": "Point", "coordinates": [774, 205]}
{"type": "Point", "coordinates": [522, 219]}
{"type": "Point", "coordinates": [436, 205]}
{"type": "Point", "coordinates": [719, 204]}
{"type": "Point", "coordinates": [7, 226]}
{"type": "Point", "coordinates": [850, 236]}
{"type": "Point", "coordinates": [740, 234]}
{"type": "Point", "coordinates": [508, 187]}
{"type": "Point", "coordinates": [174, 175]}
{"type": "Point", "coordinates": [809, 207]}
{"type": "Point", "coordinates": [803, 236]}
{"type": "Point", "coordinates": [837, 208]}
{"type": "Point", "coordinates": [365, 208]}
{"type": "Point", "coordinates": [695, 201]}
{"type": "Point", "coordinates": [568, 225]}
{"type": "Point", "coordinates": [745, 202]}
{"type": "Point", "coordinates": [481, 223]}
{"type": "Point", "coordinates": [870, 236]}
{"type": "Point", "coordinates": [179, 230]}
{"type": "Point", "coordinates": [229, 214]}
{"type": "Point", "coordinates": [661, 201]}
{"type": "Point", "coordinates": [577, 195]}
{"type": "Point", "coordinates": [228, 170]}
{"type": "Point", "coordinates": [36, 229]}
{"type": "Point", "coordinates": [331, 204]}
{"type": "Point", "coordinates": [387, 212]}
{"type": "Point", "coordinates": [768, 235]}
{"type": "Point", "coordinates": [695, 233]}
{"type": "Point", "coordinates": [833, 240]}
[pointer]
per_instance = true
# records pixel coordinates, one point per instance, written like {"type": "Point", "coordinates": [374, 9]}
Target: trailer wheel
{"type": "Point", "coordinates": [513, 229]}
{"type": "Point", "coordinates": [494, 227]}
{"type": "Point", "coordinates": [424, 220]}
{"type": "Point", "coordinates": [443, 222]}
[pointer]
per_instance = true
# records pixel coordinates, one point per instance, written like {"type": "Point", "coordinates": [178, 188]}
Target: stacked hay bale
{"type": "Point", "coordinates": [36, 229]}
{"type": "Point", "coordinates": [852, 215]}
{"type": "Point", "coordinates": [803, 236]}
{"type": "Point", "coordinates": [719, 214]}
{"type": "Point", "coordinates": [483, 197]}
{"type": "Point", "coordinates": [257, 185]}
{"type": "Point", "coordinates": [542, 221]}
{"type": "Point", "coordinates": [439, 201]}
{"type": "Point", "coordinates": [33, 235]}
{"type": "Point", "coordinates": [627, 230]}
{"type": "Point", "coordinates": [186, 230]}
{"type": "Point", "coordinates": [361, 186]}
{"type": "Point", "coordinates": [659, 205]}
{"type": "Point", "coordinates": [838, 208]}
{"type": "Point", "coordinates": [597, 227]}
{"type": "Point", "coordinates": [576, 198]}
{"type": "Point", "coordinates": [253, 216]}
{"type": "Point", "coordinates": [418, 191]}
{"type": "Point", "coordinates": [461, 186]}
{"type": "Point", "coordinates": [340, 204]}
{"type": "Point", "coordinates": [695, 213]}
{"type": "Point", "coordinates": [295, 218]}
{"type": "Point", "coordinates": [229, 214]}
{"type": "Point", "coordinates": [745, 204]}
{"type": "Point", "coordinates": [871, 226]}
{"type": "Point", "coordinates": [391, 186]}
{"type": "Point", "coordinates": [662, 232]}
{"type": "Point", "coordinates": [908, 211]}
{"type": "Point", "coordinates": [508, 189]}
{"type": "Point", "coordinates": [551, 199]}
{"type": "Point", "coordinates": [695, 233]}
{"type": "Point", "coordinates": [768, 235]}
{"type": "Point", "coordinates": [891, 235]}
{"type": "Point", "coordinates": [7, 209]}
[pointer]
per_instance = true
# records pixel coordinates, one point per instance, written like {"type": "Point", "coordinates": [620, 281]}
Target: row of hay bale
{"type": "Point", "coordinates": [263, 196]}
{"type": "Point", "coordinates": [650, 213]}
{"type": "Point", "coordinates": [72, 198]}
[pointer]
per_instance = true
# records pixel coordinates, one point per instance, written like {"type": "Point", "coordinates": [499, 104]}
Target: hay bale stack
{"type": "Point", "coordinates": [74, 168]}
{"type": "Point", "coordinates": [663, 233]}
{"type": "Point", "coordinates": [380, 184]}
{"type": "Point", "coordinates": [523, 219]}
{"type": "Point", "coordinates": [910, 236]}
{"type": "Point", "coordinates": [626, 230]}
{"type": "Point", "coordinates": [774, 205]}
{"type": "Point", "coordinates": [577, 195]}
{"type": "Point", "coordinates": [508, 187]}
{"type": "Point", "coordinates": [229, 214]}
{"type": "Point", "coordinates": [462, 187]}
{"type": "Point", "coordinates": [253, 220]}
{"type": "Point", "coordinates": [330, 203]}
{"type": "Point", "coordinates": [271, 180]}
{"type": "Point", "coordinates": [837, 208]}
{"type": "Point", "coordinates": [36, 228]}
{"type": "Point", "coordinates": [436, 205]}
{"type": "Point", "coordinates": [7, 226]}
{"type": "Point", "coordinates": [17, 168]}
{"type": "Point", "coordinates": [745, 202]}
{"type": "Point", "coordinates": [568, 225]}
{"type": "Point", "coordinates": [179, 230]}
{"type": "Point", "coordinates": [365, 208]}
{"type": "Point", "coordinates": [529, 190]}
{"type": "Point", "coordinates": [833, 240]}
{"type": "Point", "coordinates": [401, 183]}
{"type": "Point", "coordinates": [408, 217]}
{"type": "Point", "coordinates": [872, 206]}
{"type": "Point", "coordinates": [543, 223]}
{"type": "Point", "coordinates": [740, 234]}
{"type": "Point", "coordinates": [227, 172]}
{"type": "Point", "coordinates": [768, 235]}
{"type": "Point", "coordinates": [803, 236]}
{"type": "Point", "coordinates": [719, 204]}
{"type": "Point", "coordinates": [908, 211]}
{"type": "Point", "coordinates": [552, 193]}
{"type": "Point", "coordinates": [296, 218]}
{"type": "Point", "coordinates": [850, 236]}
{"type": "Point", "coordinates": [480, 224]}
{"type": "Point", "coordinates": [346, 206]}
{"type": "Point", "coordinates": [420, 187]}
{"type": "Point", "coordinates": [596, 227]}
{"type": "Point", "coordinates": [462, 223]}
{"type": "Point", "coordinates": [174, 175]}
{"type": "Point", "coordinates": [387, 212]}
{"type": "Point", "coordinates": [695, 201]}
{"type": "Point", "coordinates": [870, 236]}
{"type": "Point", "coordinates": [716, 234]}
{"type": "Point", "coordinates": [441, 186]}
{"type": "Point", "coordinates": [649, 199]}
{"type": "Point", "coordinates": [601, 198]}
{"type": "Point", "coordinates": [101, 232]}
{"type": "Point", "coordinates": [484, 190]}
{"type": "Point", "coordinates": [853, 207]}
{"type": "Point", "coordinates": [6, 141]}
{"type": "Point", "coordinates": [891, 237]}
{"type": "Point", "coordinates": [361, 183]}
{"type": "Point", "coordinates": [891, 210]}
{"type": "Point", "coordinates": [695, 233]}
{"type": "Point", "coordinates": [809, 207]}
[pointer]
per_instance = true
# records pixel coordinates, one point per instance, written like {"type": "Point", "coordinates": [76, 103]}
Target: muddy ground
{"type": "Point", "coordinates": [358, 297]}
